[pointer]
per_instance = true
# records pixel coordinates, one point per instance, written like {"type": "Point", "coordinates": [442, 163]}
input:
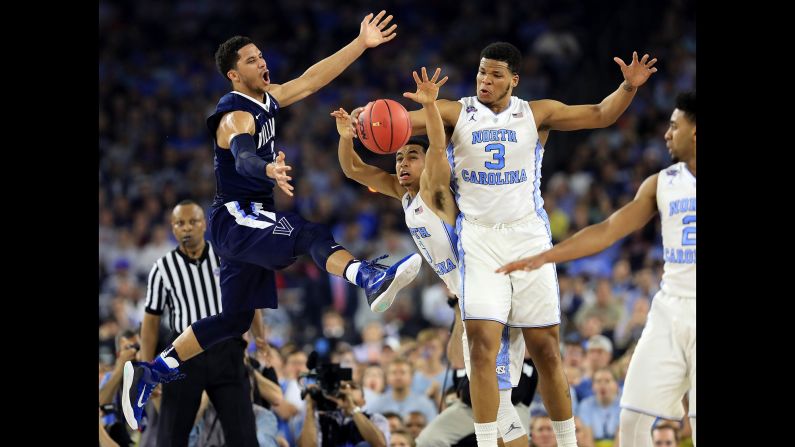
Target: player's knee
{"type": "Point", "coordinates": [238, 322]}
{"type": "Point", "coordinates": [318, 242]}
{"type": "Point", "coordinates": [545, 355]}
{"type": "Point", "coordinates": [482, 349]}
{"type": "Point", "coordinates": [545, 351]}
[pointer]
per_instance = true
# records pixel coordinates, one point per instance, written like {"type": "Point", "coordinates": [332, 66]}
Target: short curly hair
{"type": "Point", "coordinates": [226, 55]}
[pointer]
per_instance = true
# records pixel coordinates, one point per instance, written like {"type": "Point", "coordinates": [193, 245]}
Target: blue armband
{"type": "Point", "coordinates": [246, 160]}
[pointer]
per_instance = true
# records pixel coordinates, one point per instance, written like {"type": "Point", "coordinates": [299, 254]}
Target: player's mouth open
{"type": "Point", "coordinates": [404, 175]}
{"type": "Point", "coordinates": [266, 77]}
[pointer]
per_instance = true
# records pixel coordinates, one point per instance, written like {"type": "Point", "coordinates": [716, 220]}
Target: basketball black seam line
{"type": "Point", "coordinates": [375, 140]}
{"type": "Point", "coordinates": [391, 128]}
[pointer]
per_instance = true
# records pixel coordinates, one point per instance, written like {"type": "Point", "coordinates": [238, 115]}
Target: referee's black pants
{"type": "Point", "coordinates": [219, 371]}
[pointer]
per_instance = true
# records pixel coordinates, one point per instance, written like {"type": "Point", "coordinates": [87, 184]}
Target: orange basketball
{"type": "Point", "coordinates": [384, 126]}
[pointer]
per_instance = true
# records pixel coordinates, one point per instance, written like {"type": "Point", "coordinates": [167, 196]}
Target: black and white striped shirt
{"type": "Point", "coordinates": [190, 288]}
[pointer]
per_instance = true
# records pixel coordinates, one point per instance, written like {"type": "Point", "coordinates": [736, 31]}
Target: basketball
{"type": "Point", "coordinates": [384, 126]}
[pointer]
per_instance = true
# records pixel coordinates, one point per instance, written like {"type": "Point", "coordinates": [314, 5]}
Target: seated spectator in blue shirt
{"type": "Point", "coordinates": [399, 398]}
{"type": "Point", "coordinates": [601, 411]}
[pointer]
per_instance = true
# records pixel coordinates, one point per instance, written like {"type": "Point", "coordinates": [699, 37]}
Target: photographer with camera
{"type": "Point", "coordinates": [334, 415]}
{"type": "Point", "coordinates": [127, 346]}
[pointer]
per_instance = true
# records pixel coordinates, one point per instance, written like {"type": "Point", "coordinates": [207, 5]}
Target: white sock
{"type": "Point", "coordinates": [351, 271]}
{"type": "Point", "coordinates": [486, 434]}
{"type": "Point", "coordinates": [564, 433]}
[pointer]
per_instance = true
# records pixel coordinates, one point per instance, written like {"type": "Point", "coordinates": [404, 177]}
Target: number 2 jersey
{"type": "Point", "coordinates": [676, 202]}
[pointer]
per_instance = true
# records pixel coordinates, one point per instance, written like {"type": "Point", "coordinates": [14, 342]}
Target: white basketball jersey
{"type": "Point", "coordinates": [676, 202]}
{"type": "Point", "coordinates": [496, 162]}
{"type": "Point", "coordinates": [436, 240]}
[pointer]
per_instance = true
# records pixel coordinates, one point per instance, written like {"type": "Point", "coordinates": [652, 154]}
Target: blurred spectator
{"type": "Point", "coordinates": [395, 421]}
{"type": "Point", "coordinates": [402, 438]}
{"type": "Point", "coordinates": [601, 411]}
{"type": "Point", "coordinates": [373, 382]}
{"type": "Point", "coordinates": [399, 398]}
{"type": "Point", "coordinates": [369, 351]}
{"type": "Point", "coordinates": [665, 434]}
{"type": "Point", "coordinates": [415, 422]}
{"type": "Point", "coordinates": [604, 307]}
{"type": "Point", "coordinates": [541, 433]}
{"type": "Point", "coordinates": [127, 346]}
{"type": "Point", "coordinates": [599, 353]}
{"type": "Point", "coordinates": [431, 373]}
{"type": "Point", "coordinates": [630, 327]}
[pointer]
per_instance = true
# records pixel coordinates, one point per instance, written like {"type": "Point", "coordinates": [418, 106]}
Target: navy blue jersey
{"type": "Point", "coordinates": [230, 185]}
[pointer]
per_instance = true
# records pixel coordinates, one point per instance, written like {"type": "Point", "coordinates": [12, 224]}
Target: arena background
{"type": "Point", "coordinates": [158, 82]}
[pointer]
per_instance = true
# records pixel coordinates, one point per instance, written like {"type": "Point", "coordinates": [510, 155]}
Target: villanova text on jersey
{"type": "Point", "coordinates": [231, 185]}
{"type": "Point", "coordinates": [687, 209]}
{"type": "Point", "coordinates": [494, 178]}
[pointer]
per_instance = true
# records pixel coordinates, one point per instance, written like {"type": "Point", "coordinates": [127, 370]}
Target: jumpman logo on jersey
{"type": "Point", "coordinates": [510, 428]}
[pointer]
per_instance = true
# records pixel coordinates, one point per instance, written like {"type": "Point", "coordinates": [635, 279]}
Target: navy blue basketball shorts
{"type": "Point", "coordinates": [252, 243]}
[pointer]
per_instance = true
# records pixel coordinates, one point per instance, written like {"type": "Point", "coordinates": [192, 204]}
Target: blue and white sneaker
{"type": "Point", "coordinates": [139, 379]}
{"type": "Point", "coordinates": [381, 283]}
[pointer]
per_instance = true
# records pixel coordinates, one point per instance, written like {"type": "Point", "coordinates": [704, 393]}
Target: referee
{"type": "Point", "coordinates": [187, 281]}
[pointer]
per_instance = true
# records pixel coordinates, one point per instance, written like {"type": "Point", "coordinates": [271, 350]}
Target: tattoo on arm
{"type": "Point", "coordinates": [628, 87]}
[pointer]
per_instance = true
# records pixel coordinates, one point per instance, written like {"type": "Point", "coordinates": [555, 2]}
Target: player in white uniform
{"type": "Point", "coordinates": [663, 367]}
{"type": "Point", "coordinates": [422, 184]}
{"type": "Point", "coordinates": [496, 160]}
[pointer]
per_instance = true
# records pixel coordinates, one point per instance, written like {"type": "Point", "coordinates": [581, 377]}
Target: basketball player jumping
{"type": "Point", "coordinates": [251, 237]}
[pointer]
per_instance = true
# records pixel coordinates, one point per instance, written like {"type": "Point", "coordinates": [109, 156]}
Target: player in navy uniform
{"type": "Point", "coordinates": [249, 235]}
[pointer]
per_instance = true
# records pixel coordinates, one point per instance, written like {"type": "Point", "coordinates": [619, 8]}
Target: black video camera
{"type": "Point", "coordinates": [327, 377]}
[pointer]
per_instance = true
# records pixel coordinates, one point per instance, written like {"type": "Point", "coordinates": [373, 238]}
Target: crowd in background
{"type": "Point", "coordinates": [158, 83]}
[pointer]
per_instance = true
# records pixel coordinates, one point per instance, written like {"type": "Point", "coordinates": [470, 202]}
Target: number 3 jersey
{"type": "Point", "coordinates": [496, 162]}
{"type": "Point", "coordinates": [676, 202]}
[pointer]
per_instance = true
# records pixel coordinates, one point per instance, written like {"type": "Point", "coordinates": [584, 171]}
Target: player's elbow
{"type": "Point", "coordinates": [276, 400]}
{"type": "Point", "coordinates": [240, 167]}
{"type": "Point", "coordinates": [352, 173]}
{"type": "Point", "coordinates": [604, 117]}
{"type": "Point", "coordinates": [348, 170]}
{"type": "Point", "coordinates": [377, 438]}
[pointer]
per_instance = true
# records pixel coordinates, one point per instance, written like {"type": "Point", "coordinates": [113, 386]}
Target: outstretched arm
{"type": "Point", "coordinates": [356, 169]}
{"type": "Point", "coordinates": [595, 238]}
{"type": "Point", "coordinates": [435, 179]}
{"type": "Point", "coordinates": [371, 34]}
{"type": "Point", "coordinates": [555, 115]}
